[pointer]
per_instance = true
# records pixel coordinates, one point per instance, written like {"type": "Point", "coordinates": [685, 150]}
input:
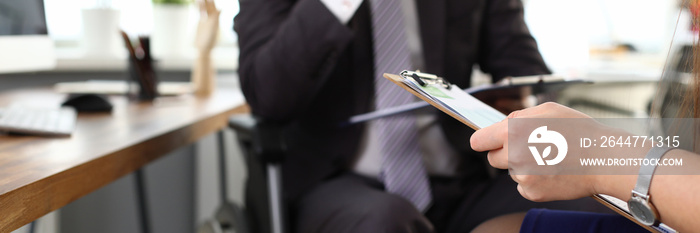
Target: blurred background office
{"type": "Point", "coordinates": [620, 44]}
{"type": "Point", "coordinates": [182, 187]}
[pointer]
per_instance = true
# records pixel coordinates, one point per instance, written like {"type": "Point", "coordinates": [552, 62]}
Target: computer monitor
{"type": "Point", "coordinates": [24, 41]}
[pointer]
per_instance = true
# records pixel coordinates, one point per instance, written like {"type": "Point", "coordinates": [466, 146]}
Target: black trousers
{"type": "Point", "coordinates": [353, 203]}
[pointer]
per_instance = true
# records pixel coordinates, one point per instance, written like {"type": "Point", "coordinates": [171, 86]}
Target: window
{"type": "Point", "coordinates": [65, 20]}
{"type": "Point", "coordinates": [568, 31]}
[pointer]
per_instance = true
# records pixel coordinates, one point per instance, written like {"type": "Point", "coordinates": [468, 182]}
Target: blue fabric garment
{"type": "Point", "coordinates": [544, 220]}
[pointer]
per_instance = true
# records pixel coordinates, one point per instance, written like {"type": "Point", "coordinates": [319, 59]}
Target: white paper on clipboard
{"type": "Point", "coordinates": [450, 99]}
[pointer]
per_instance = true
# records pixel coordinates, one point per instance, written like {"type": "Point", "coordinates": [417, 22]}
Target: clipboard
{"type": "Point", "coordinates": [537, 84]}
{"type": "Point", "coordinates": [531, 84]}
{"type": "Point", "coordinates": [476, 114]}
{"type": "Point", "coordinates": [620, 207]}
{"type": "Point", "coordinates": [448, 98]}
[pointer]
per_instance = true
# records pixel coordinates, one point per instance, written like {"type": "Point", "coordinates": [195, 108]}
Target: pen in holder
{"type": "Point", "coordinates": [142, 82]}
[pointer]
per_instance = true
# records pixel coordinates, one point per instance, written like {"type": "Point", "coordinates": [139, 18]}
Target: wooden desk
{"type": "Point", "coordinates": [39, 175]}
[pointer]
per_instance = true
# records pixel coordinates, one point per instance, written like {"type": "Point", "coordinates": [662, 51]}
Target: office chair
{"type": "Point", "coordinates": [263, 149]}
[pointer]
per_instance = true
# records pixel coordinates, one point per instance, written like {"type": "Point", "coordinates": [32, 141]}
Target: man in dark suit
{"type": "Point", "coordinates": [310, 64]}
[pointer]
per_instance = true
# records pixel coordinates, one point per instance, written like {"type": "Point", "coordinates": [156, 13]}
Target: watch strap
{"type": "Point", "coordinates": [647, 171]}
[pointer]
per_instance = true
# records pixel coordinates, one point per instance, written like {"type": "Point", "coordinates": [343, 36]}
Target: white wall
{"type": "Point", "coordinates": [566, 29]}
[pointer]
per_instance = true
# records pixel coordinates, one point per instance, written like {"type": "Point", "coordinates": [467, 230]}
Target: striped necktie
{"type": "Point", "coordinates": [402, 171]}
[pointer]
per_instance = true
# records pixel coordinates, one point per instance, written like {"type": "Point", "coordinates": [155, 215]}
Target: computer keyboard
{"type": "Point", "coordinates": [38, 121]}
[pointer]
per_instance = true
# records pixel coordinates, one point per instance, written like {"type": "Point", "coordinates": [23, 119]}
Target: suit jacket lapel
{"type": "Point", "coordinates": [433, 23]}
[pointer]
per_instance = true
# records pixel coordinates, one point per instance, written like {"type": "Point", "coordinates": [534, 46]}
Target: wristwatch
{"type": "Point", "coordinates": [639, 205]}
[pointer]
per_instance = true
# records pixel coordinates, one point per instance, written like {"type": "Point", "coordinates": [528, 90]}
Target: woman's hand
{"type": "Point", "coordinates": [674, 196]}
{"type": "Point", "coordinates": [553, 186]}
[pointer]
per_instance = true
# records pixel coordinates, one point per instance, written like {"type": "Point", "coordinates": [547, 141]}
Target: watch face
{"type": "Point", "coordinates": [641, 211]}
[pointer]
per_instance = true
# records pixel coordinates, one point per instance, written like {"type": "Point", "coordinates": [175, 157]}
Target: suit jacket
{"type": "Point", "coordinates": [301, 66]}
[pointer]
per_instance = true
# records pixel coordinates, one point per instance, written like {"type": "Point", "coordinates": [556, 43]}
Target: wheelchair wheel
{"type": "Point", "coordinates": [231, 217]}
{"type": "Point", "coordinates": [210, 226]}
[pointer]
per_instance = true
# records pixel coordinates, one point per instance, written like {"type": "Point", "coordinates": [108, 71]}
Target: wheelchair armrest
{"type": "Point", "coordinates": [265, 146]}
{"type": "Point", "coordinates": [243, 125]}
{"type": "Point", "coordinates": [266, 138]}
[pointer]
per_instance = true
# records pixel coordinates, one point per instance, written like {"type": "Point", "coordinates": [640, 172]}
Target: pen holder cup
{"type": "Point", "coordinates": [142, 80]}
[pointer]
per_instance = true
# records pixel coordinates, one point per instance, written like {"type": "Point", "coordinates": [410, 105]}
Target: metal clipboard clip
{"type": "Point", "coordinates": [424, 79]}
